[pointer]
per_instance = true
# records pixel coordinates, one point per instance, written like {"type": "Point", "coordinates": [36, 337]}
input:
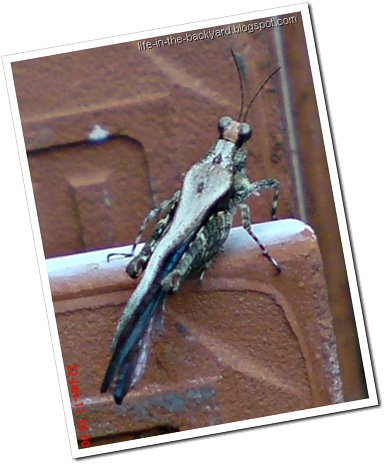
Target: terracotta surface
{"type": "Point", "coordinates": [245, 343]}
{"type": "Point", "coordinates": [321, 214]}
{"type": "Point", "coordinates": [161, 109]}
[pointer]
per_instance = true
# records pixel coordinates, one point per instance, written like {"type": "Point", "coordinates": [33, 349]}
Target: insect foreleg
{"type": "Point", "coordinates": [170, 203]}
{"type": "Point", "coordinates": [201, 251]}
{"type": "Point", "coordinates": [266, 184]}
{"type": "Point", "coordinates": [246, 223]}
{"type": "Point", "coordinates": [136, 266]}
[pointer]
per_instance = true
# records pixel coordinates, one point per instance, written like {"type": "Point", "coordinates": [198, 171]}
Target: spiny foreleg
{"type": "Point", "coordinates": [167, 206]}
{"type": "Point", "coordinates": [136, 266]}
{"type": "Point", "coordinates": [267, 184]}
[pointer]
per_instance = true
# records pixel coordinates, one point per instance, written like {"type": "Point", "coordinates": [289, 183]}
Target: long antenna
{"type": "Point", "coordinates": [259, 91]}
{"type": "Point", "coordinates": [240, 82]}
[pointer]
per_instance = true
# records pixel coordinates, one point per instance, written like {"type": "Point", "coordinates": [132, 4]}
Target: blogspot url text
{"type": "Point", "coordinates": [214, 33]}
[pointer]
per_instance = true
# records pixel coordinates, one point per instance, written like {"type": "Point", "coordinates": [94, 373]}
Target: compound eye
{"type": "Point", "coordinates": [244, 133]}
{"type": "Point", "coordinates": [224, 122]}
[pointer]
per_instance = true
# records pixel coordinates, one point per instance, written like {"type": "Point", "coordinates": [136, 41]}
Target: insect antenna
{"type": "Point", "coordinates": [258, 92]}
{"type": "Point", "coordinates": [235, 58]}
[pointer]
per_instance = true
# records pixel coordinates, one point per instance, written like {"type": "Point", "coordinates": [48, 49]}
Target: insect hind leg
{"type": "Point", "coordinates": [201, 251]}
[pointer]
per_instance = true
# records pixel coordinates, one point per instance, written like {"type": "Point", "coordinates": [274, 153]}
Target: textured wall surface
{"type": "Point", "coordinates": [246, 342]}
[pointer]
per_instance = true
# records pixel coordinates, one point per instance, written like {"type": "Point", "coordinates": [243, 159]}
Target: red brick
{"type": "Point", "coordinates": [244, 343]}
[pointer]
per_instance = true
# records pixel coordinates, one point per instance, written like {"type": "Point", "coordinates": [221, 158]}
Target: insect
{"type": "Point", "coordinates": [194, 224]}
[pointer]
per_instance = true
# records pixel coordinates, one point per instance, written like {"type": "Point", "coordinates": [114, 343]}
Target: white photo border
{"type": "Point", "coordinates": [372, 399]}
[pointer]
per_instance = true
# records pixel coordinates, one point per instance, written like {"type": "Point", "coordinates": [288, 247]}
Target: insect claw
{"type": "Point", "coordinates": [277, 266]}
{"type": "Point", "coordinates": [124, 255]}
{"type": "Point", "coordinates": [273, 261]}
{"type": "Point", "coordinates": [136, 266]}
{"type": "Point", "coordinates": [171, 282]}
